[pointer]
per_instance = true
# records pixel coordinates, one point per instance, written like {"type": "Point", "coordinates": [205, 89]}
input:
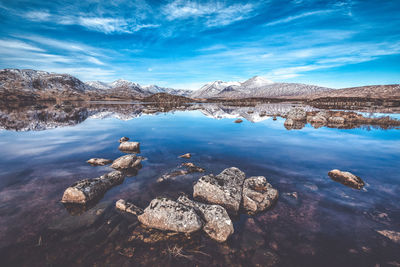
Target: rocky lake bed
{"type": "Point", "coordinates": [270, 184]}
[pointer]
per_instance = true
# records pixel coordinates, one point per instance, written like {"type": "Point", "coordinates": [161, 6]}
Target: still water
{"type": "Point", "coordinates": [315, 222]}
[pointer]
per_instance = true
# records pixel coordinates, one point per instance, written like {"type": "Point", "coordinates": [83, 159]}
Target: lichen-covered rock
{"type": "Point", "coordinates": [99, 161]}
{"type": "Point", "coordinates": [297, 114]}
{"type": "Point", "coordinates": [128, 207]}
{"type": "Point", "coordinates": [123, 139]}
{"type": "Point", "coordinates": [346, 178]}
{"type": "Point", "coordinates": [336, 120]}
{"type": "Point", "coordinates": [217, 225]}
{"type": "Point", "coordinates": [289, 122]}
{"type": "Point", "coordinates": [130, 146]}
{"type": "Point", "coordinates": [225, 189]}
{"type": "Point", "coordinates": [186, 156]}
{"type": "Point", "coordinates": [126, 162]}
{"type": "Point", "coordinates": [87, 190]}
{"type": "Point", "coordinates": [166, 214]}
{"type": "Point", "coordinates": [258, 194]}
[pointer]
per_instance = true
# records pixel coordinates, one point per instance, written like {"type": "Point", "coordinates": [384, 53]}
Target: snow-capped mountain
{"type": "Point", "coordinates": [255, 87]}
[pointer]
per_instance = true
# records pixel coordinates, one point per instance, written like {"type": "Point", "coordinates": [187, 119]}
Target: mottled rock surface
{"type": "Point", "coordinates": [99, 161]}
{"type": "Point", "coordinates": [218, 225]}
{"type": "Point", "coordinates": [166, 214]}
{"type": "Point", "coordinates": [123, 139]}
{"type": "Point", "coordinates": [336, 120]}
{"type": "Point", "coordinates": [225, 189]}
{"type": "Point", "coordinates": [297, 114]}
{"type": "Point", "coordinates": [128, 207]}
{"type": "Point", "coordinates": [258, 194]}
{"type": "Point", "coordinates": [126, 162]}
{"type": "Point", "coordinates": [90, 189]}
{"type": "Point", "coordinates": [346, 178]}
{"type": "Point", "coordinates": [130, 146]}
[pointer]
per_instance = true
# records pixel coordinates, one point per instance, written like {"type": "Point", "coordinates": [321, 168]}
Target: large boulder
{"type": "Point", "coordinates": [99, 161]}
{"type": "Point", "coordinates": [130, 147]}
{"type": "Point", "coordinates": [258, 194]}
{"type": "Point", "coordinates": [127, 162]}
{"type": "Point", "coordinates": [166, 214]}
{"type": "Point", "coordinates": [297, 114]}
{"type": "Point", "coordinates": [225, 189]}
{"type": "Point", "coordinates": [87, 190]}
{"type": "Point", "coordinates": [346, 178]}
{"type": "Point", "coordinates": [218, 225]}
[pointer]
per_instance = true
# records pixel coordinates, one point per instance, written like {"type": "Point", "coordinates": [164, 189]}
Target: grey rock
{"type": "Point", "coordinates": [123, 139]}
{"type": "Point", "coordinates": [336, 120]}
{"type": "Point", "coordinates": [258, 194]}
{"type": "Point", "coordinates": [346, 178]}
{"type": "Point", "coordinates": [126, 162]}
{"type": "Point", "coordinates": [99, 161]}
{"type": "Point", "coordinates": [125, 206]}
{"type": "Point", "coordinates": [218, 225]}
{"type": "Point", "coordinates": [297, 114]}
{"type": "Point", "coordinates": [87, 190]}
{"type": "Point", "coordinates": [130, 146]}
{"type": "Point", "coordinates": [166, 214]}
{"type": "Point", "coordinates": [225, 189]}
{"type": "Point", "coordinates": [289, 122]}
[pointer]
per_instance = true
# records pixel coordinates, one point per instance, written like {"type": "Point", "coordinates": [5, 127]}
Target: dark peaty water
{"type": "Point", "coordinates": [326, 224]}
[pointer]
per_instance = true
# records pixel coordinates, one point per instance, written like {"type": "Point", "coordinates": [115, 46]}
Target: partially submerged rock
{"type": "Point", "coordinates": [218, 225]}
{"type": "Point", "coordinates": [87, 190]}
{"type": "Point", "coordinates": [124, 139]}
{"type": "Point", "coordinates": [166, 214]}
{"type": "Point", "coordinates": [186, 156]}
{"type": "Point", "coordinates": [336, 120]}
{"type": "Point", "coordinates": [392, 235]}
{"type": "Point", "coordinates": [297, 114]}
{"type": "Point", "coordinates": [127, 162]}
{"type": "Point", "coordinates": [99, 161]}
{"type": "Point", "coordinates": [130, 146]}
{"type": "Point", "coordinates": [238, 121]}
{"type": "Point", "coordinates": [346, 178]}
{"type": "Point", "coordinates": [225, 189]}
{"type": "Point", "coordinates": [184, 169]}
{"type": "Point", "coordinates": [258, 194]}
{"type": "Point", "coordinates": [128, 207]}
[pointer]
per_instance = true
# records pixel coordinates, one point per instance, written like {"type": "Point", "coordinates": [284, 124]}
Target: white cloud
{"type": "Point", "coordinates": [18, 45]}
{"type": "Point", "coordinates": [38, 15]}
{"type": "Point", "coordinates": [292, 18]}
{"type": "Point", "coordinates": [106, 25]}
{"type": "Point", "coordinates": [215, 13]}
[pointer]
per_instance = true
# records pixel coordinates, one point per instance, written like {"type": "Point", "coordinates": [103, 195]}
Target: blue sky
{"type": "Point", "coordinates": [184, 44]}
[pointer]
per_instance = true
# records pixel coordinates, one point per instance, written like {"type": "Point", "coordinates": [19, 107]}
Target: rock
{"type": "Point", "coordinates": [297, 114]}
{"type": "Point", "coordinates": [225, 189]}
{"type": "Point", "coordinates": [99, 161]}
{"type": "Point", "coordinates": [188, 168]}
{"type": "Point", "coordinates": [123, 139]}
{"type": "Point", "coordinates": [186, 156]}
{"type": "Point", "coordinates": [91, 189]}
{"type": "Point", "coordinates": [128, 207]}
{"type": "Point", "coordinates": [130, 146]}
{"type": "Point", "coordinates": [336, 120]}
{"type": "Point", "coordinates": [126, 162]}
{"type": "Point", "coordinates": [218, 225]}
{"type": "Point", "coordinates": [238, 121]}
{"type": "Point", "coordinates": [258, 194]}
{"type": "Point", "coordinates": [289, 122]}
{"type": "Point", "coordinates": [392, 235]}
{"type": "Point", "coordinates": [166, 214]}
{"type": "Point", "coordinates": [346, 178]}
{"type": "Point", "coordinates": [317, 119]}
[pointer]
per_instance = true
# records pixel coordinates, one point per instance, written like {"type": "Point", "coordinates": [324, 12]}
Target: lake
{"type": "Point", "coordinates": [315, 221]}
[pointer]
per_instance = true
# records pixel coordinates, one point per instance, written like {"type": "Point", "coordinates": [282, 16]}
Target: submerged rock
{"type": "Point", "coordinates": [126, 162]}
{"type": "Point", "coordinates": [218, 225]}
{"type": "Point", "coordinates": [238, 121]}
{"type": "Point", "coordinates": [99, 161]}
{"type": "Point", "coordinates": [128, 207]}
{"type": "Point", "coordinates": [130, 146]}
{"type": "Point", "coordinates": [392, 235]}
{"type": "Point", "coordinates": [225, 189]}
{"type": "Point", "coordinates": [184, 169]}
{"type": "Point", "coordinates": [166, 214]}
{"type": "Point", "coordinates": [123, 139]}
{"type": "Point", "coordinates": [186, 156]}
{"type": "Point", "coordinates": [90, 189]}
{"type": "Point", "coordinates": [258, 194]}
{"type": "Point", "coordinates": [346, 178]}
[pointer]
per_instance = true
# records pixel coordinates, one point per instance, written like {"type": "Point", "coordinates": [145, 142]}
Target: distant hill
{"type": "Point", "coordinates": [372, 91]}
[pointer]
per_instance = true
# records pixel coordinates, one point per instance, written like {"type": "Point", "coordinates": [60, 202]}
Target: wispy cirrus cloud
{"type": "Point", "coordinates": [299, 16]}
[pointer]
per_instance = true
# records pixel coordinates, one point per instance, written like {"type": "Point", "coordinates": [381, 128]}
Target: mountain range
{"type": "Point", "coordinates": [28, 85]}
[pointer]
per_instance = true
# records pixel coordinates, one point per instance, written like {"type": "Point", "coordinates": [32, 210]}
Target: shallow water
{"type": "Point", "coordinates": [328, 224]}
